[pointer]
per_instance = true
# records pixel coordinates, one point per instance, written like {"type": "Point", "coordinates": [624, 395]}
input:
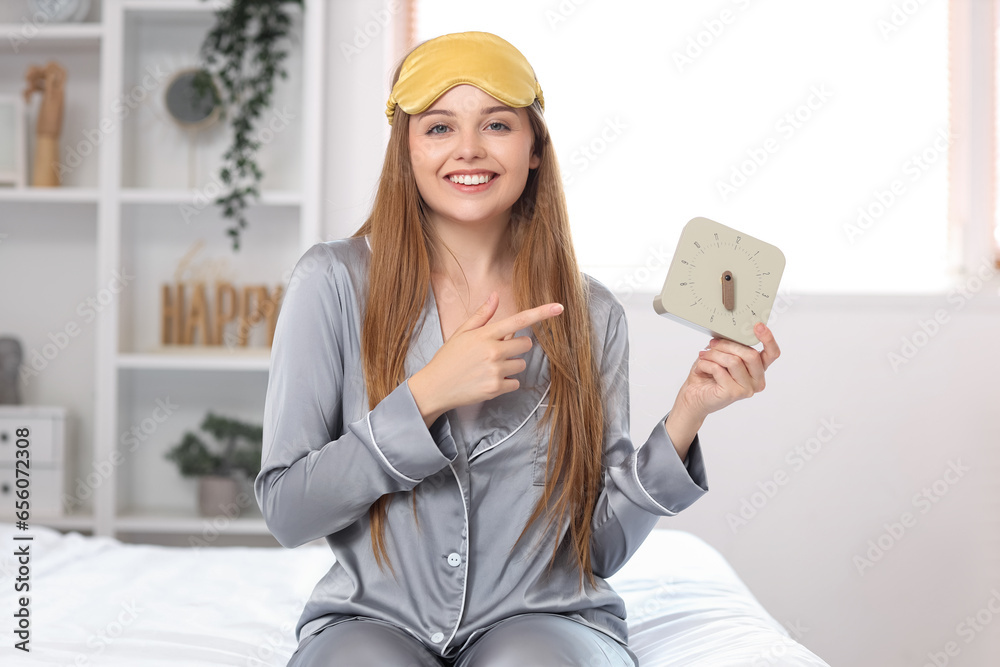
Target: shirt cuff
{"type": "Point", "coordinates": [406, 446]}
{"type": "Point", "coordinates": [671, 484]}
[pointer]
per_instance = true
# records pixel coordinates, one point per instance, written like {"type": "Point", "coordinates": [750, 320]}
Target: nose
{"type": "Point", "coordinates": [469, 145]}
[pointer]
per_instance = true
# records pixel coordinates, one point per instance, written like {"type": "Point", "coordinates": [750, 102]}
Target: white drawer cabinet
{"type": "Point", "coordinates": [47, 472]}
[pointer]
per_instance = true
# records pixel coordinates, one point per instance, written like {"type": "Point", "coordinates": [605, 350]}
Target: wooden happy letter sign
{"type": "Point", "coordinates": [203, 308]}
{"type": "Point", "coordinates": [187, 317]}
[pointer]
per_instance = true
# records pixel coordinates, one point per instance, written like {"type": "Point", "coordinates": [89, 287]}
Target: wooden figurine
{"type": "Point", "coordinates": [49, 80]}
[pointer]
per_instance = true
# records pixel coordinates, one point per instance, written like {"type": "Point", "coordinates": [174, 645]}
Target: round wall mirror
{"type": "Point", "coordinates": [192, 98]}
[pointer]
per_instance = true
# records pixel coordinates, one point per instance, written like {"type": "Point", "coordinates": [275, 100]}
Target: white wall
{"type": "Point", "coordinates": [360, 60]}
{"type": "Point", "coordinates": [894, 433]}
{"type": "Point", "coordinates": [896, 430]}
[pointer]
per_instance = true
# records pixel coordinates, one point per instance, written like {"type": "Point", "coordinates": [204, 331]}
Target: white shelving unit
{"type": "Point", "coordinates": [141, 198]}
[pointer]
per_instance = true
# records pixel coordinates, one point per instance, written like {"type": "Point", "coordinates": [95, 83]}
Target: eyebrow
{"type": "Point", "coordinates": [485, 111]}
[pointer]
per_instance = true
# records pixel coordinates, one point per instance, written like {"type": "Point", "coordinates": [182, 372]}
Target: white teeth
{"type": "Point", "coordinates": [467, 179]}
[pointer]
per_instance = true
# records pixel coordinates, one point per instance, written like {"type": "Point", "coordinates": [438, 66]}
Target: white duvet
{"type": "Point", "coordinates": [99, 601]}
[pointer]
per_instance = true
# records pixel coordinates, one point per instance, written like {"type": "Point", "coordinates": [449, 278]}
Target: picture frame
{"type": "Point", "coordinates": [13, 159]}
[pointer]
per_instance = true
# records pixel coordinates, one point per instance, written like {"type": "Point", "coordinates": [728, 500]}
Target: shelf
{"type": "Point", "coordinates": [57, 195]}
{"type": "Point", "coordinates": [171, 7]}
{"type": "Point", "coordinates": [177, 522]}
{"type": "Point", "coordinates": [67, 522]}
{"type": "Point", "coordinates": [198, 358]}
{"type": "Point", "coordinates": [177, 197]}
{"type": "Point", "coordinates": [174, 7]}
{"type": "Point", "coordinates": [25, 37]}
{"type": "Point", "coordinates": [140, 198]}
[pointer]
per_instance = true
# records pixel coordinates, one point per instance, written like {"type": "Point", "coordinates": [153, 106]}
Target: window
{"type": "Point", "coordinates": [821, 128]}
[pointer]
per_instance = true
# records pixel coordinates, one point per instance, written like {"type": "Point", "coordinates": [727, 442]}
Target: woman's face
{"type": "Point", "coordinates": [471, 155]}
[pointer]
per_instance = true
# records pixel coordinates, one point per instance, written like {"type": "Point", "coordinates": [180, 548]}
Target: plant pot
{"type": "Point", "coordinates": [217, 495]}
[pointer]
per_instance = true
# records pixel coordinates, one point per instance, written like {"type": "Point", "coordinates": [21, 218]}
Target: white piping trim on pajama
{"type": "Point", "coordinates": [635, 473]}
{"type": "Point", "coordinates": [465, 572]}
{"type": "Point", "coordinates": [498, 442]}
{"type": "Point", "coordinates": [368, 419]}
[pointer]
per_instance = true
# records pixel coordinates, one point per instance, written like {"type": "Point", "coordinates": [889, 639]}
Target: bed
{"type": "Point", "coordinates": [99, 601]}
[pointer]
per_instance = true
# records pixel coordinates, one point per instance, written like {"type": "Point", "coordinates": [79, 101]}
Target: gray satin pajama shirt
{"type": "Point", "coordinates": [477, 472]}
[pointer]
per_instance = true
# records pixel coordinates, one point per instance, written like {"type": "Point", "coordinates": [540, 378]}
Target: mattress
{"type": "Point", "coordinates": [99, 601]}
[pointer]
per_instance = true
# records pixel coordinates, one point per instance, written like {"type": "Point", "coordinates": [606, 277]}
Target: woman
{"type": "Point", "coordinates": [432, 412]}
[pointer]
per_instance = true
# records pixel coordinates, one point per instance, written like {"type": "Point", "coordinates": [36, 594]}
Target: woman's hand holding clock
{"type": "Point", "coordinates": [724, 373]}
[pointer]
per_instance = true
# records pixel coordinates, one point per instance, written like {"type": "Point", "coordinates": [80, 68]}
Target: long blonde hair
{"type": "Point", "coordinates": [545, 270]}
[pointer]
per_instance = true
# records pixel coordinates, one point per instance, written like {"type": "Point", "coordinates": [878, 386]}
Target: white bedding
{"type": "Point", "coordinates": [99, 601]}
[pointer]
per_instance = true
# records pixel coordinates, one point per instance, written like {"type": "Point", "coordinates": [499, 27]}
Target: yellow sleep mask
{"type": "Point", "coordinates": [478, 58]}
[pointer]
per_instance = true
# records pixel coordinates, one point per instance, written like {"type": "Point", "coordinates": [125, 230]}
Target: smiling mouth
{"type": "Point", "coordinates": [471, 179]}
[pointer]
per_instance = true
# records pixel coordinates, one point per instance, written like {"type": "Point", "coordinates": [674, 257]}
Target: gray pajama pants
{"type": "Point", "coordinates": [535, 640]}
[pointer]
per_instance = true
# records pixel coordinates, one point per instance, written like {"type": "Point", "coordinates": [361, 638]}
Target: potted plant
{"type": "Point", "coordinates": [244, 51]}
{"type": "Point", "coordinates": [217, 486]}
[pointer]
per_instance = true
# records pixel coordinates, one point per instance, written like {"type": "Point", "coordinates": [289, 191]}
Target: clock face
{"type": "Point", "coordinates": [721, 281]}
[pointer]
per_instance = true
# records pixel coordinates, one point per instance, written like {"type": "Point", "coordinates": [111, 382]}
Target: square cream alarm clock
{"type": "Point", "coordinates": [720, 281]}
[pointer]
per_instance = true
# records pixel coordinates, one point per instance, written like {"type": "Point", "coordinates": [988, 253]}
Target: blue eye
{"type": "Point", "coordinates": [497, 126]}
{"type": "Point", "coordinates": [433, 129]}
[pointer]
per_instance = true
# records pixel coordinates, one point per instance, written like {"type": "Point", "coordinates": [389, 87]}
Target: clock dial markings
{"type": "Point", "coordinates": [720, 251]}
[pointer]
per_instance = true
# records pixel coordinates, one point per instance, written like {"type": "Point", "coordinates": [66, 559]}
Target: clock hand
{"type": "Point", "coordinates": [728, 290]}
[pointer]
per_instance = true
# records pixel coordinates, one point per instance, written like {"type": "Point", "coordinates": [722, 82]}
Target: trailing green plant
{"type": "Point", "coordinates": [244, 51]}
{"type": "Point", "coordinates": [195, 458]}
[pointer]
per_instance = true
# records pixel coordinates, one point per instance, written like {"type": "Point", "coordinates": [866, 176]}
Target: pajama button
{"type": "Point", "coordinates": [436, 637]}
{"type": "Point", "coordinates": [454, 560]}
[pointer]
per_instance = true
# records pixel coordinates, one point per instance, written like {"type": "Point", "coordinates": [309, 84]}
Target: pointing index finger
{"type": "Point", "coordinates": [525, 318]}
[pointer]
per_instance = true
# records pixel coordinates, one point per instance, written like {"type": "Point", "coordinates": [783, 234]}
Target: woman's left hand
{"type": "Point", "coordinates": [727, 372]}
